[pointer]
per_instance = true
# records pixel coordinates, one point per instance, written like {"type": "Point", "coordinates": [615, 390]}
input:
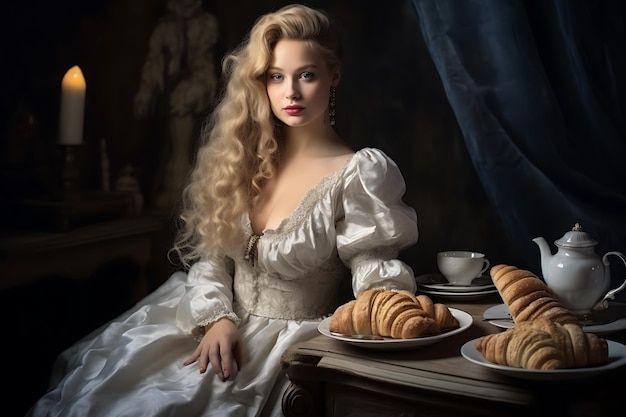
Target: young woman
{"type": "Point", "coordinates": [278, 214]}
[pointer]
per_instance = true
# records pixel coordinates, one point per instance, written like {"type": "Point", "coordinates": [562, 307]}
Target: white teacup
{"type": "Point", "coordinates": [461, 267]}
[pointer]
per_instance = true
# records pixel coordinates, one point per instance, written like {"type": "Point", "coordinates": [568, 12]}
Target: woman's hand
{"type": "Point", "coordinates": [220, 345]}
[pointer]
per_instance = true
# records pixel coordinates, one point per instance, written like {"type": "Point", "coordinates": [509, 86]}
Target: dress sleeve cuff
{"type": "Point", "coordinates": [198, 332]}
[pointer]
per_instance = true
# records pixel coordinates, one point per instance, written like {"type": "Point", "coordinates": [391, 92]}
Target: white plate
{"type": "Point", "coordinates": [447, 287]}
{"type": "Point", "coordinates": [617, 358]}
{"type": "Point", "coordinates": [459, 296]}
{"type": "Point", "coordinates": [439, 282]}
{"type": "Point", "coordinates": [465, 321]}
{"type": "Point", "coordinates": [499, 311]}
{"type": "Point", "coordinates": [614, 318]}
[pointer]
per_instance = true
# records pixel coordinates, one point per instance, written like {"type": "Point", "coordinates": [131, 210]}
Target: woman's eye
{"type": "Point", "coordinates": [275, 77]}
{"type": "Point", "coordinates": [307, 75]}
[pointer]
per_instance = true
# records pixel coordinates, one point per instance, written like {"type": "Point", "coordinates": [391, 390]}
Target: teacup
{"type": "Point", "coordinates": [461, 267]}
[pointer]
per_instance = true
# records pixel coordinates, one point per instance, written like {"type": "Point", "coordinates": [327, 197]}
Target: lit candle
{"type": "Point", "coordinates": [72, 107]}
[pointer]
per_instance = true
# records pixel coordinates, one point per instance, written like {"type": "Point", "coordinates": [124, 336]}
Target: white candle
{"type": "Point", "coordinates": [72, 107]}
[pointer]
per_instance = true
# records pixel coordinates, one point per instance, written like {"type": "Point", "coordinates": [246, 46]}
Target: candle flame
{"type": "Point", "coordinates": [74, 79]}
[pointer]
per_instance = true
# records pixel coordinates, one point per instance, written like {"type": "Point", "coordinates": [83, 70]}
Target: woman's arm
{"type": "Point", "coordinates": [206, 312]}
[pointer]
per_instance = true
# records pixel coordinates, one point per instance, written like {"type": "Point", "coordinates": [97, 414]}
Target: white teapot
{"type": "Point", "coordinates": [576, 275]}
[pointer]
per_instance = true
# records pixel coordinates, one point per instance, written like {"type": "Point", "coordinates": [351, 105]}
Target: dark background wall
{"type": "Point", "coordinates": [390, 97]}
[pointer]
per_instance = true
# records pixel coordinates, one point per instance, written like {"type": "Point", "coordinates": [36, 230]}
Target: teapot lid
{"type": "Point", "coordinates": [576, 238]}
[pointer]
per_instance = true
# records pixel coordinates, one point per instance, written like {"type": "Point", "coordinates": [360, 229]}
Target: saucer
{"type": "Point", "coordinates": [436, 285]}
{"type": "Point", "coordinates": [458, 296]}
{"type": "Point", "coordinates": [447, 287]}
{"type": "Point", "coordinates": [611, 320]}
{"type": "Point", "coordinates": [437, 282]}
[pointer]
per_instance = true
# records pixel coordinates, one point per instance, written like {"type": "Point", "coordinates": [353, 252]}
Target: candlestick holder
{"type": "Point", "coordinates": [70, 186]}
{"type": "Point", "coordinates": [70, 203]}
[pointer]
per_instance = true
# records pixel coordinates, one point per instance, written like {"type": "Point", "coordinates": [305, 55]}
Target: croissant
{"type": "Point", "coordinates": [544, 344]}
{"type": "Point", "coordinates": [528, 297]}
{"type": "Point", "coordinates": [392, 313]}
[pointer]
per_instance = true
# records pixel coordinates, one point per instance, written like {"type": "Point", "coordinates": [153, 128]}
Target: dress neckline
{"type": "Point", "coordinates": [307, 196]}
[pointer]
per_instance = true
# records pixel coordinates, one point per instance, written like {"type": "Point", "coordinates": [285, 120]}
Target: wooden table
{"type": "Point", "coordinates": [332, 378]}
{"type": "Point", "coordinates": [27, 256]}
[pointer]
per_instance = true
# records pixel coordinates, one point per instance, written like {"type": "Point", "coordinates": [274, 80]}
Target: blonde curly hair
{"type": "Point", "coordinates": [240, 143]}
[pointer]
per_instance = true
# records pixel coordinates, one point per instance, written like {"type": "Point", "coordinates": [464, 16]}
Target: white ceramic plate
{"type": "Point", "coordinates": [438, 279]}
{"type": "Point", "coordinates": [458, 296]}
{"type": "Point", "coordinates": [497, 315]}
{"type": "Point", "coordinates": [465, 321]}
{"type": "Point", "coordinates": [617, 358]}
{"type": "Point", "coordinates": [613, 318]}
{"type": "Point", "coordinates": [447, 287]}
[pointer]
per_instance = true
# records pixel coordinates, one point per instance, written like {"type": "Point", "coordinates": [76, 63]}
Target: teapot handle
{"type": "Point", "coordinates": [604, 303]}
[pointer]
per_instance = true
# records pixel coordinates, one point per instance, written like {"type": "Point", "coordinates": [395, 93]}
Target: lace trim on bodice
{"type": "Point", "coordinates": [311, 199]}
{"type": "Point", "coordinates": [312, 295]}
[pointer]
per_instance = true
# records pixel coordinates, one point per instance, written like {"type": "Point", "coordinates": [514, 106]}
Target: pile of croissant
{"type": "Point", "coordinates": [392, 313]}
{"type": "Point", "coordinates": [546, 334]}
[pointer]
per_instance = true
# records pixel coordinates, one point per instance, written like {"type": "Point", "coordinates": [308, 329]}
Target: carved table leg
{"type": "Point", "coordinates": [299, 401]}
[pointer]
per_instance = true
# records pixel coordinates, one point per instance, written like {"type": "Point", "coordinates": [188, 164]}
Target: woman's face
{"type": "Point", "coordinates": [298, 83]}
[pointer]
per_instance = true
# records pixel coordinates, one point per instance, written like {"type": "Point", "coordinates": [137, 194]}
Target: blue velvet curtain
{"type": "Point", "coordinates": [539, 91]}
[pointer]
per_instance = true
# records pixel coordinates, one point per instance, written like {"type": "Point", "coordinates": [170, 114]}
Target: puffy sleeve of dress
{"type": "Point", "coordinates": [377, 223]}
{"type": "Point", "coordinates": [208, 296]}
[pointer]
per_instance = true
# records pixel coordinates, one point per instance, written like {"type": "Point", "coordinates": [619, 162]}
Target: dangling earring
{"type": "Point", "coordinates": [331, 109]}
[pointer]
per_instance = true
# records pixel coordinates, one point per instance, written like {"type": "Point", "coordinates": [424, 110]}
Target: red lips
{"type": "Point", "coordinates": [293, 110]}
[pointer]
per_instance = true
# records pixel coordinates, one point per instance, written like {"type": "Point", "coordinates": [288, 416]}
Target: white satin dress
{"type": "Point", "coordinates": [354, 221]}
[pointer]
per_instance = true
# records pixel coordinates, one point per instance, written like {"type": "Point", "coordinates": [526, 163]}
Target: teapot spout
{"type": "Point", "coordinates": [545, 252]}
